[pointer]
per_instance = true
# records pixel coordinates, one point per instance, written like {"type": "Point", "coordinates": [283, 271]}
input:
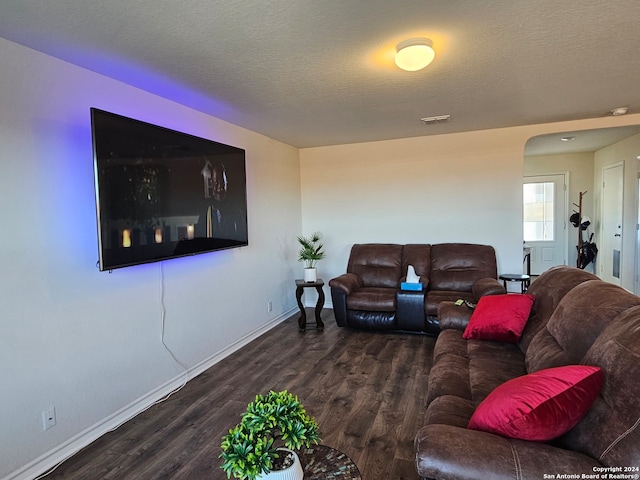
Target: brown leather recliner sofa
{"type": "Point", "coordinates": [575, 319]}
{"type": "Point", "coordinates": [369, 297]}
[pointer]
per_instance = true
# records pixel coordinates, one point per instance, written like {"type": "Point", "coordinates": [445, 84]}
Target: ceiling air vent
{"type": "Point", "coordinates": [436, 119]}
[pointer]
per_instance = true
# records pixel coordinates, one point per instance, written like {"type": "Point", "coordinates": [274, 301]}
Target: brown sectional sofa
{"type": "Point", "coordinates": [368, 296]}
{"type": "Point", "coordinates": [575, 319]}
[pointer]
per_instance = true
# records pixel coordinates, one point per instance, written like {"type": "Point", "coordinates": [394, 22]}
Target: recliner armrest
{"type": "Point", "coordinates": [445, 451]}
{"type": "Point", "coordinates": [487, 286]}
{"type": "Point", "coordinates": [347, 282]}
{"type": "Point", "coordinates": [341, 288]}
{"type": "Point", "coordinates": [454, 316]}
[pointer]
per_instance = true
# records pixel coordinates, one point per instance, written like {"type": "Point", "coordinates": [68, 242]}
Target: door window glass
{"type": "Point", "coordinates": [538, 211]}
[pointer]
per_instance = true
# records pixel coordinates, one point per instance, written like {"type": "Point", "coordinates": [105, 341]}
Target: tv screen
{"type": "Point", "coordinates": [162, 194]}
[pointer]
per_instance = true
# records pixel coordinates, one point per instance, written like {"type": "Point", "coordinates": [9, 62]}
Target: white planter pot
{"type": "Point", "coordinates": [294, 472]}
{"type": "Point", "coordinates": [310, 274]}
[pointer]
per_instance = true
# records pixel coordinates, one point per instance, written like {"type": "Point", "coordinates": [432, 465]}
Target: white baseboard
{"type": "Point", "coordinates": [312, 304]}
{"type": "Point", "coordinates": [60, 453]}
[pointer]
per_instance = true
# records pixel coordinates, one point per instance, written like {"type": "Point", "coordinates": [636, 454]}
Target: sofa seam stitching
{"type": "Point", "coordinates": [516, 461]}
{"type": "Point", "coordinates": [619, 439]}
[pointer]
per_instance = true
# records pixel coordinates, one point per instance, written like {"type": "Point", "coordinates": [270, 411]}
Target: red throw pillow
{"type": "Point", "coordinates": [500, 318]}
{"type": "Point", "coordinates": [540, 406]}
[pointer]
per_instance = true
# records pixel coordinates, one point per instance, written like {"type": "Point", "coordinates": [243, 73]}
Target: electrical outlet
{"type": "Point", "coordinates": [270, 306]}
{"type": "Point", "coordinates": [49, 418]}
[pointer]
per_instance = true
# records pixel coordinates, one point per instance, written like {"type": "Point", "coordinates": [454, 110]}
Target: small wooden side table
{"type": "Point", "coordinates": [300, 286]}
{"type": "Point", "coordinates": [516, 277]}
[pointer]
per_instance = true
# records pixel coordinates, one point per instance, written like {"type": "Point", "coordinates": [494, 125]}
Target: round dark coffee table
{"type": "Point", "coordinates": [325, 463]}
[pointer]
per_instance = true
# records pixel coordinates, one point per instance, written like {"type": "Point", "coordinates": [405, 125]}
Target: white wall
{"type": "Point", "coordinates": [89, 342]}
{"type": "Point", "coordinates": [464, 187]}
{"type": "Point", "coordinates": [579, 166]}
{"type": "Point", "coordinates": [626, 152]}
{"type": "Point", "coordinates": [446, 188]}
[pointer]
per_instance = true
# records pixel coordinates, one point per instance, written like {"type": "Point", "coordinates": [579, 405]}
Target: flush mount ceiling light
{"type": "Point", "coordinates": [414, 54]}
{"type": "Point", "coordinates": [619, 111]}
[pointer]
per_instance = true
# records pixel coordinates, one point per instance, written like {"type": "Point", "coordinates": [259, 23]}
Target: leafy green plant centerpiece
{"type": "Point", "coordinates": [311, 250]}
{"type": "Point", "coordinates": [270, 422]}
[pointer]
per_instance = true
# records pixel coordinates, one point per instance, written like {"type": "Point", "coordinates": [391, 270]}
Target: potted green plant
{"type": "Point", "coordinates": [311, 250]}
{"type": "Point", "coordinates": [263, 444]}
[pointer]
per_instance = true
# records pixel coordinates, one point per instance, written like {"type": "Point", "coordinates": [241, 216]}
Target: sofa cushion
{"type": "Point", "coordinates": [471, 369]}
{"type": "Point", "coordinates": [540, 406]}
{"type": "Point", "coordinates": [454, 316]}
{"type": "Point", "coordinates": [373, 299]}
{"type": "Point", "coordinates": [500, 318]}
{"type": "Point", "coordinates": [610, 431]}
{"type": "Point", "coordinates": [449, 376]}
{"type": "Point", "coordinates": [450, 410]}
{"type": "Point", "coordinates": [419, 256]}
{"type": "Point", "coordinates": [377, 264]}
{"type": "Point", "coordinates": [457, 266]}
{"type": "Point", "coordinates": [548, 289]}
{"type": "Point", "coordinates": [579, 318]}
{"type": "Point", "coordinates": [491, 364]}
{"type": "Point", "coordinates": [449, 342]}
{"type": "Point", "coordinates": [434, 298]}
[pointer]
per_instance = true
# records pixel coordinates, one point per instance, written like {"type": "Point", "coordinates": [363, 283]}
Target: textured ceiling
{"type": "Point", "coordinates": [581, 141]}
{"type": "Point", "coordinates": [313, 73]}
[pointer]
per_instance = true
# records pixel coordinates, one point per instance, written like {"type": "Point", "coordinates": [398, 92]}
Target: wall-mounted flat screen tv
{"type": "Point", "coordinates": [162, 194]}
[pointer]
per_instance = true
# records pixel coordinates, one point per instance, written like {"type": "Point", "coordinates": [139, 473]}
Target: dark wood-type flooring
{"type": "Point", "coordinates": [366, 390]}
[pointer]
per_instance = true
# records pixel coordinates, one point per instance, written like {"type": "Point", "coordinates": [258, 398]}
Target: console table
{"type": "Point", "coordinates": [300, 286]}
{"type": "Point", "coordinates": [325, 463]}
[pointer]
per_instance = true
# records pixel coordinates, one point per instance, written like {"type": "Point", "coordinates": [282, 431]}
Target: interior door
{"type": "Point", "coordinates": [545, 220]}
{"type": "Point", "coordinates": [610, 254]}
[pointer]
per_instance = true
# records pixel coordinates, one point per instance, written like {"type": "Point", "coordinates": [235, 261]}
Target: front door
{"type": "Point", "coordinates": [610, 253]}
{"type": "Point", "coordinates": [545, 220]}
